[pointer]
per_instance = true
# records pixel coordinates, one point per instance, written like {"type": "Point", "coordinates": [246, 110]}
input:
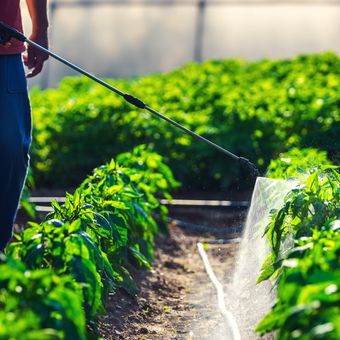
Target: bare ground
{"type": "Point", "coordinates": [176, 299]}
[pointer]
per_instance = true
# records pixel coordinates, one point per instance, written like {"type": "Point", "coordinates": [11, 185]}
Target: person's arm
{"type": "Point", "coordinates": [34, 59]}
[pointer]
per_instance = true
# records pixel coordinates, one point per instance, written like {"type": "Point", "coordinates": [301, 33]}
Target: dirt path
{"type": "Point", "coordinates": [176, 299]}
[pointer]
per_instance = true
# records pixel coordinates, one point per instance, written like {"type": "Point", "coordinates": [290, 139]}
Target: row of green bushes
{"type": "Point", "coordinates": [256, 110]}
{"type": "Point", "coordinates": [57, 275]}
{"type": "Point", "coordinates": [307, 273]}
{"type": "Point", "coordinates": [66, 266]}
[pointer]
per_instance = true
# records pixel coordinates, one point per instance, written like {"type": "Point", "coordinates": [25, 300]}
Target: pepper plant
{"type": "Point", "coordinates": [38, 304]}
{"type": "Point", "coordinates": [308, 303]}
{"type": "Point", "coordinates": [309, 206]}
{"type": "Point", "coordinates": [304, 238]}
{"type": "Point", "coordinates": [105, 224]}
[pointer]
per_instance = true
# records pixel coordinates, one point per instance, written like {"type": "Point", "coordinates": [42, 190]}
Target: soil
{"type": "Point", "coordinates": [176, 299]}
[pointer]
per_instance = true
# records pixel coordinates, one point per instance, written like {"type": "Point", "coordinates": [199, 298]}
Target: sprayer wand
{"type": "Point", "coordinates": [7, 32]}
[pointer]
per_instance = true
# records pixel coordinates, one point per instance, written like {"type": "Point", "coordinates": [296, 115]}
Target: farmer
{"type": "Point", "coordinates": [15, 114]}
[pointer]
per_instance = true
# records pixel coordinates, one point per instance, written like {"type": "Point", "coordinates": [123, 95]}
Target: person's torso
{"type": "Point", "coordinates": [10, 15]}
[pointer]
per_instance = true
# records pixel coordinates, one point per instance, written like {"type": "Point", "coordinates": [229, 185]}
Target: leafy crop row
{"type": "Point", "coordinates": [296, 163]}
{"type": "Point", "coordinates": [304, 263]}
{"type": "Point", "coordinates": [256, 110]}
{"type": "Point", "coordinates": [38, 304]}
{"type": "Point", "coordinates": [60, 272]}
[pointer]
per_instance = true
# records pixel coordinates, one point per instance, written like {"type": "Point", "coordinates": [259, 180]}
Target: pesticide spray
{"type": "Point", "coordinates": [250, 302]}
{"type": "Point", "coordinates": [241, 301]}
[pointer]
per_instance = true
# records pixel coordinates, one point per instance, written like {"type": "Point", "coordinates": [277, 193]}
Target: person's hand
{"type": "Point", "coordinates": [6, 44]}
{"type": "Point", "coordinates": [33, 58]}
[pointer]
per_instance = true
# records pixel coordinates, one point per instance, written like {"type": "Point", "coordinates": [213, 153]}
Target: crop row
{"type": "Point", "coordinates": [256, 110]}
{"type": "Point", "coordinates": [67, 265]}
{"type": "Point", "coordinates": [304, 262]}
{"type": "Point", "coordinates": [56, 276]}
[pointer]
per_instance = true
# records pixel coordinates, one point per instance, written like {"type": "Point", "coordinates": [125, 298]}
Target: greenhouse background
{"type": "Point", "coordinates": [118, 38]}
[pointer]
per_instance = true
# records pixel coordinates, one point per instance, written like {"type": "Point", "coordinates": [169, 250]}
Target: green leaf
{"type": "Point", "coordinates": [117, 205]}
{"type": "Point", "coordinates": [272, 320]}
{"type": "Point", "coordinates": [141, 259]}
{"type": "Point", "coordinates": [270, 266]}
{"type": "Point", "coordinates": [103, 226]}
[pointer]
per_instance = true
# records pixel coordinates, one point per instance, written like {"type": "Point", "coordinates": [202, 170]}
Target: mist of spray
{"type": "Point", "coordinates": [248, 301]}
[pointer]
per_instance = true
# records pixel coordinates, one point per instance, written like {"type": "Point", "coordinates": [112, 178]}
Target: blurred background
{"type": "Point", "coordinates": [127, 38]}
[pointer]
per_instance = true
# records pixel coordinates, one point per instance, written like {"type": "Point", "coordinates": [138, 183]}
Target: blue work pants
{"type": "Point", "coordinates": [15, 139]}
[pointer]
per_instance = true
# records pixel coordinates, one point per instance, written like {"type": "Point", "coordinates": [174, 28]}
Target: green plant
{"type": "Point", "coordinates": [308, 305]}
{"type": "Point", "coordinates": [105, 224]}
{"type": "Point", "coordinates": [304, 237]}
{"type": "Point", "coordinates": [308, 207]}
{"type": "Point", "coordinates": [38, 304]}
{"type": "Point", "coordinates": [257, 110]}
{"type": "Point", "coordinates": [68, 249]}
{"type": "Point", "coordinates": [296, 163]}
{"type": "Point", "coordinates": [151, 176]}
{"type": "Point", "coordinates": [111, 191]}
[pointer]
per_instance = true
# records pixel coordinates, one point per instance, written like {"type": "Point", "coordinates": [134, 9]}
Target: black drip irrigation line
{"type": "Point", "coordinates": [228, 237]}
{"type": "Point", "coordinates": [175, 202]}
{"type": "Point", "coordinates": [205, 229]}
{"type": "Point", "coordinates": [236, 229]}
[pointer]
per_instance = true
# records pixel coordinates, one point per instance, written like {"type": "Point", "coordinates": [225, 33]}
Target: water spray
{"type": "Point", "coordinates": [7, 33]}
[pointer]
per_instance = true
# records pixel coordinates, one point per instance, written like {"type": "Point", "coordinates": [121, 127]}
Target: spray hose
{"type": "Point", "coordinates": [7, 33]}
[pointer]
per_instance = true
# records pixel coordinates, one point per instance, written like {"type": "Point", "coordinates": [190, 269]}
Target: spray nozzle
{"type": "Point", "coordinates": [246, 163]}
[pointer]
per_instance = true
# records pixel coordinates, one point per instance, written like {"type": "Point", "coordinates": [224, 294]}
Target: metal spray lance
{"type": "Point", "coordinates": [7, 33]}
